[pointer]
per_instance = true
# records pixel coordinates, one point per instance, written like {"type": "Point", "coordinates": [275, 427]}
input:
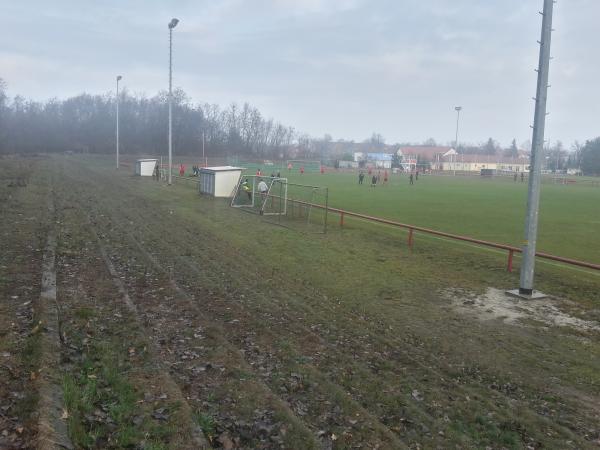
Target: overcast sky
{"type": "Point", "coordinates": [347, 68]}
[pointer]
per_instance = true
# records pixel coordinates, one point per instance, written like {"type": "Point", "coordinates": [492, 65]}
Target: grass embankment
{"type": "Point", "coordinates": [22, 239]}
{"type": "Point", "coordinates": [117, 395]}
{"type": "Point", "coordinates": [355, 320]}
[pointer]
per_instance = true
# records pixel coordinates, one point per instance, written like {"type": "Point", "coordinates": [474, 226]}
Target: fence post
{"type": "Point", "coordinates": [509, 266]}
{"type": "Point", "coordinates": [410, 238]}
{"type": "Point", "coordinates": [342, 219]}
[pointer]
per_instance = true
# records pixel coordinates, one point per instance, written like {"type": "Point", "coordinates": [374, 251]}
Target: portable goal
{"type": "Point", "coordinates": [249, 195]}
{"type": "Point", "coordinates": [310, 166]}
{"type": "Point", "coordinates": [293, 205]}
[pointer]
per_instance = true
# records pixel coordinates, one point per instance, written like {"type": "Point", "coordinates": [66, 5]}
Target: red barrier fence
{"type": "Point", "coordinates": [412, 228]}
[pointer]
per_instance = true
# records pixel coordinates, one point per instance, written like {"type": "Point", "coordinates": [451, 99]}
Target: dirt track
{"type": "Point", "coordinates": [263, 354]}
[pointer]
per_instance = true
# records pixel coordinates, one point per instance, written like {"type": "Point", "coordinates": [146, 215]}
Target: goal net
{"type": "Point", "coordinates": [295, 165]}
{"type": "Point", "coordinates": [258, 194]}
{"type": "Point", "coordinates": [293, 205]}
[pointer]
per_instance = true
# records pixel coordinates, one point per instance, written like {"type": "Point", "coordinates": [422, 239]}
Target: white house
{"type": "Point", "coordinates": [474, 163]}
{"type": "Point", "coordinates": [145, 167]}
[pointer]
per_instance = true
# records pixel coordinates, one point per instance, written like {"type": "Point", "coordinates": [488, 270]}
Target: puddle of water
{"type": "Point", "coordinates": [496, 304]}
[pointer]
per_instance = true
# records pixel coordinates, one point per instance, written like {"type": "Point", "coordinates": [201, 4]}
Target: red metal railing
{"type": "Point", "coordinates": [412, 228]}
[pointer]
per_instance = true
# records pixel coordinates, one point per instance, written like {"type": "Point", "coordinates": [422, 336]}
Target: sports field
{"type": "Point", "coordinates": [489, 209]}
{"type": "Point", "coordinates": [181, 323]}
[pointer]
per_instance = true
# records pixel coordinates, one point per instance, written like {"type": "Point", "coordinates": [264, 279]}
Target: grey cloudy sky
{"type": "Point", "coordinates": [348, 68]}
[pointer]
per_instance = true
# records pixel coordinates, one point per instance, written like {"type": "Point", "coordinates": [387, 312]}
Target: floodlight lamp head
{"type": "Point", "coordinates": [457, 108]}
{"type": "Point", "coordinates": [173, 23]}
{"type": "Point", "coordinates": [119, 77]}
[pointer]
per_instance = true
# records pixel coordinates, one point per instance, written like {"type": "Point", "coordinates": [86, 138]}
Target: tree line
{"type": "Point", "coordinates": [86, 123]}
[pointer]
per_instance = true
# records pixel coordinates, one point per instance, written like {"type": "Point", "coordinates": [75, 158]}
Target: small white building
{"type": "Point", "coordinates": [219, 181]}
{"type": "Point", "coordinates": [145, 167]}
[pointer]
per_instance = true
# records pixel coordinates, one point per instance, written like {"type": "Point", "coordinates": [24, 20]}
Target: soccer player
{"type": "Point", "coordinates": [410, 179]}
{"type": "Point", "coordinates": [385, 177]}
{"type": "Point", "coordinates": [374, 181]}
{"type": "Point", "coordinates": [302, 170]}
{"type": "Point", "coordinates": [246, 188]}
{"type": "Point", "coordinates": [361, 177]}
{"type": "Point", "coordinates": [263, 188]}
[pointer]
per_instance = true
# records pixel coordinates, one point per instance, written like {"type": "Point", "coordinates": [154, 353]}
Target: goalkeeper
{"type": "Point", "coordinates": [247, 189]}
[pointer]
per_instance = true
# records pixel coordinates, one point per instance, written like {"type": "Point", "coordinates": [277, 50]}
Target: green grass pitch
{"type": "Point", "coordinates": [490, 209]}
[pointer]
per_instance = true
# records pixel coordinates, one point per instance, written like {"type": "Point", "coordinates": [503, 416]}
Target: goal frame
{"type": "Point", "coordinates": [261, 201]}
{"type": "Point", "coordinates": [296, 162]}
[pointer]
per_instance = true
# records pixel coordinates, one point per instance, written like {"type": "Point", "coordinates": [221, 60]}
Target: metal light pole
{"type": "Point", "coordinates": [203, 158]}
{"type": "Point", "coordinates": [537, 156]}
{"type": "Point", "coordinates": [457, 109]}
{"type": "Point", "coordinates": [172, 24]}
{"type": "Point", "coordinates": [118, 79]}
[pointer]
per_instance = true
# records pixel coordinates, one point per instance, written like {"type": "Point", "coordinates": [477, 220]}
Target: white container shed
{"type": "Point", "coordinates": [219, 181]}
{"type": "Point", "coordinates": [145, 167]}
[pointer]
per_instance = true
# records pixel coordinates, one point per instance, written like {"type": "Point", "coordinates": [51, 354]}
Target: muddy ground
{"type": "Point", "coordinates": [181, 323]}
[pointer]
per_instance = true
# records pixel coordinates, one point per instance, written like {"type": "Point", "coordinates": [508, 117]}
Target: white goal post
{"type": "Point", "coordinates": [309, 165]}
{"type": "Point", "coordinates": [264, 195]}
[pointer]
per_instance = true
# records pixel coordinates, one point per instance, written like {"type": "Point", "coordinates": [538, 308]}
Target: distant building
{"type": "Point", "coordinates": [375, 159]}
{"type": "Point", "coordinates": [412, 156]}
{"type": "Point", "coordinates": [474, 163]}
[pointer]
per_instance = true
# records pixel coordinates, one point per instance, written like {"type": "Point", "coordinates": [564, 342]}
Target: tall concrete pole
{"type": "Point", "coordinates": [203, 158]}
{"type": "Point", "coordinates": [170, 98]}
{"type": "Point", "coordinates": [537, 154]}
{"type": "Point", "coordinates": [118, 79]}
{"type": "Point", "coordinates": [172, 24]}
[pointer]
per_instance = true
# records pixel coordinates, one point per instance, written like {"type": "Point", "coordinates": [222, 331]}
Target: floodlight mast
{"type": "Point", "coordinates": [172, 24]}
{"type": "Point", "coordinates": [458, 109]}
{"type": "Point", "coordinates": [118, 79]}
{"type": "Point", "coordinates": [537, 154]}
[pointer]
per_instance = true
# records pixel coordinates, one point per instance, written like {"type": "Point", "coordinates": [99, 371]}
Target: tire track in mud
{"type": "Point", "coordinates": [198, 441]}
{"type": "Point", "coordinates": [52, 429]}
{"type": "Point", "coordinates": [294, 402]}
{"type": "Point", "coordinates": [249, 346]}
{"type": "Point", "coordinates": [23, 237]}
{"type": "Point", "coordinates": [330, 403]}
{"type": "Point", "coordinates": [273, 408]}
{"type": "Point", "coordinates": [162, 401]}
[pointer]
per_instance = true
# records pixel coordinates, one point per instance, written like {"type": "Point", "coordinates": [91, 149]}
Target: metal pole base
{"type": "Point", "coordinates": [526, 294]}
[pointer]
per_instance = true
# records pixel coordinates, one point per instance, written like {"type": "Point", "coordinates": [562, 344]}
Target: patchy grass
{"type": "Point", "coordinates": [207, 425]}
{"type": "Point", "coordinates": [351, 330]}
